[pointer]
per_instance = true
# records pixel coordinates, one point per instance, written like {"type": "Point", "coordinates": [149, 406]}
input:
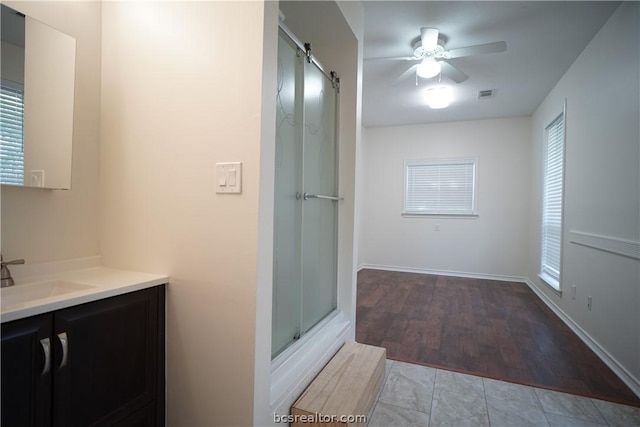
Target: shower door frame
{"type": "Point", "coordinates": [304, 50]}
{"type": "Point", "coordinates": [293, 369]}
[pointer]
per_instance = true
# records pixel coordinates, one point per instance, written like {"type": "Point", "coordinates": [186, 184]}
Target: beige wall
{"type": "Point", "coordinates": [181, 91]}
{"type": "Point", "coordinates": [164, 91]}
{"type": "Point", "coordinates": [45, 225]}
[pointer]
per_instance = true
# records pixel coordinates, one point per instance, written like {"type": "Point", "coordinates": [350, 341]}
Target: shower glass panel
{"type": "Point", "coordinates": [305, 225]}
{"type": "Point", "coordinates": [319, 216]}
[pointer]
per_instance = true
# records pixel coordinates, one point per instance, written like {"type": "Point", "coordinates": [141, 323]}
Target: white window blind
{"type": "Point", "coordinates": [11, 135]}
{"type": "Point", "coordinates": [440, 187]}
{"type": "Point", "coordinates": [552, 202]}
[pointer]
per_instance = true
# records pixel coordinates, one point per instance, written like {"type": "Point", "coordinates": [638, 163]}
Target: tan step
{"type": "Point", "coordinates": [344, 392]}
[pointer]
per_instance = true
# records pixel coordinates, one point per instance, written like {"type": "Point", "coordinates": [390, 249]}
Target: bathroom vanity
{"type": "Point", "coordinates": [89, 352]}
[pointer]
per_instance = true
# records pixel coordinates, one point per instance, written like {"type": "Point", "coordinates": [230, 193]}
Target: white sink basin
{"type": "Point", "coordinates": [23, 294]}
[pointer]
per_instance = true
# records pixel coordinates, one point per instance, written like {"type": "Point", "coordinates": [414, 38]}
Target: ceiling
{"type": "Point", "coordinates": [543, 39]}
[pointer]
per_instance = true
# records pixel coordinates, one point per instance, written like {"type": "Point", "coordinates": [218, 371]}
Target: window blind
{"type": "Point", "coordinates": [11, 135]}
{"type": "Point", "coordinates": [552, 201]}
{"type": "Point", "coordinates": [440, 187]}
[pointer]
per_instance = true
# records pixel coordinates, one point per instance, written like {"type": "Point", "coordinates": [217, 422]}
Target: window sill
{"type": "Point", "coordinates": [441, 215]}
{"type": "Point", "coordinates": [551, 283]}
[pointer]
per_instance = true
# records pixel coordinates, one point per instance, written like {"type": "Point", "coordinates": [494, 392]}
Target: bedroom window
{"type": "Point", "coordinates": [552, 202]}
{"type": "Point", "coordinates": [11, 135]}
{"type": "Point", "coordinates": [440, 187]}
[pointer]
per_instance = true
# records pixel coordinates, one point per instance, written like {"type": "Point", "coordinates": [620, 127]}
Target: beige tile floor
{"type": "Point", "coordinates": [415, 395]}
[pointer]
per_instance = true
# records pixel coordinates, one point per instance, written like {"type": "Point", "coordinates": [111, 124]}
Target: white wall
{"type": "Point", "coordinates": [182, 90]}
{"type": "Point", "coordinates": [602, 193]}
{"type": "Point", "coordinates": [46, 225]}
{"type": "Point", "coordinates": [493, 244]}
{"type": "Point", "coordinates": [602, 196]}
{"type": "Point", "coordinates": [12, 63]}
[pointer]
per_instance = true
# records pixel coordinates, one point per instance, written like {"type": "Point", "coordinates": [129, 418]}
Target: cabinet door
{"type": "Point", "coordinates": [26, 375]}
{"type": "Point", "coordinates": [109, 368]}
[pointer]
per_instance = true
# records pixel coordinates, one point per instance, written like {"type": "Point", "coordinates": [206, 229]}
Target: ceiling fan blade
{"type": "Point", "coordinates": [393, 58]}
{"type": "Point", "coordinates": [452, 72]}
{"type": "Point", "coordinates": [429, 38]}
{"type": "Point", "coordinates": [479, 49]}
{"type": "Point", "coordinates": [411, 70]}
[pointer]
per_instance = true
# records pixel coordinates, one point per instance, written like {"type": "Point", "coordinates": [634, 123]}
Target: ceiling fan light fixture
{"type": "Point", "coordinates": [428, 68]}
{"type": "Point", "coordinates": [438, 97]}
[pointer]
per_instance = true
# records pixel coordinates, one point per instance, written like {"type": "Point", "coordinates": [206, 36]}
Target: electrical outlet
{"type": "Point", "coordinates": [573, 291]}
{"type": "Point", "coordinates": [37, 178]}
{"type": "Point", "coordinates": [589, 302]}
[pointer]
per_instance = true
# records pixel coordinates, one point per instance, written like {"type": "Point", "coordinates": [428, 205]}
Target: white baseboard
{"type": "Point", "coordinates": [622, 373]}
{"type": "Point", "coordinates": [632, 382]}
{"type": "Point", "coordinates": [443, 272]}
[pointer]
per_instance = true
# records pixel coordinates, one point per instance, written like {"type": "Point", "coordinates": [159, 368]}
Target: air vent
{"type": "Point", "coordinates": [487, 93]}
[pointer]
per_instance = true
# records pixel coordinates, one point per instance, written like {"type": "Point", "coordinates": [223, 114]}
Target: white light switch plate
{"type": "Point", "coordinates": [229, 178]}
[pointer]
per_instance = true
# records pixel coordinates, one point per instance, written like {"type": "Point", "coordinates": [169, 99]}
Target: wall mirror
{"type": "Point", "coordinates": [37, 93]}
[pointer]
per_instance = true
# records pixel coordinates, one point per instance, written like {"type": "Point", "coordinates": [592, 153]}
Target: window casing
{"type": "Point", "coordinates": [552, 201]}
{"type": "Point", "coordinates": [440, 187]}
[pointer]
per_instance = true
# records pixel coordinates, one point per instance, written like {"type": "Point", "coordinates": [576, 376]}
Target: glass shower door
{"type": "Point", "coordinates": [305, 223]}
{"type": "Point", "coordinates": [287, 244]}
{"type": "Point", "coordinates": [319, 214]}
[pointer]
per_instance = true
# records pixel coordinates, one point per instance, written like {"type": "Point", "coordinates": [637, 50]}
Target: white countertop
{"type": "Point", "coordinates": [102, 283]}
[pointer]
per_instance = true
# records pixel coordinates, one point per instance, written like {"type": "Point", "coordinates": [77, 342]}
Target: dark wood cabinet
{"type": "Point", "coordinates": [104, 365]}
{"type": "Point", "coordinates": [26, 381]}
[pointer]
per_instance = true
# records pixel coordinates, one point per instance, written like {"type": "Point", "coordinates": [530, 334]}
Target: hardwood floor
{"type": "Point", "coordinates": [490, 328]}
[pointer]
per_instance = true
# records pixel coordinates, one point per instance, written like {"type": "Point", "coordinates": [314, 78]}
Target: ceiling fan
{"type": "Point", "coordinates": [433, 59]}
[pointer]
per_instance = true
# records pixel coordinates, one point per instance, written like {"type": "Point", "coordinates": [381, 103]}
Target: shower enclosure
{"type": "Point", "coordinates": [306, 185]}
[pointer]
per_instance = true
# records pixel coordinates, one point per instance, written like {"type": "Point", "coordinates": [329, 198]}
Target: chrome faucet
{"type": "Point", "coordinates": [5, 275]}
